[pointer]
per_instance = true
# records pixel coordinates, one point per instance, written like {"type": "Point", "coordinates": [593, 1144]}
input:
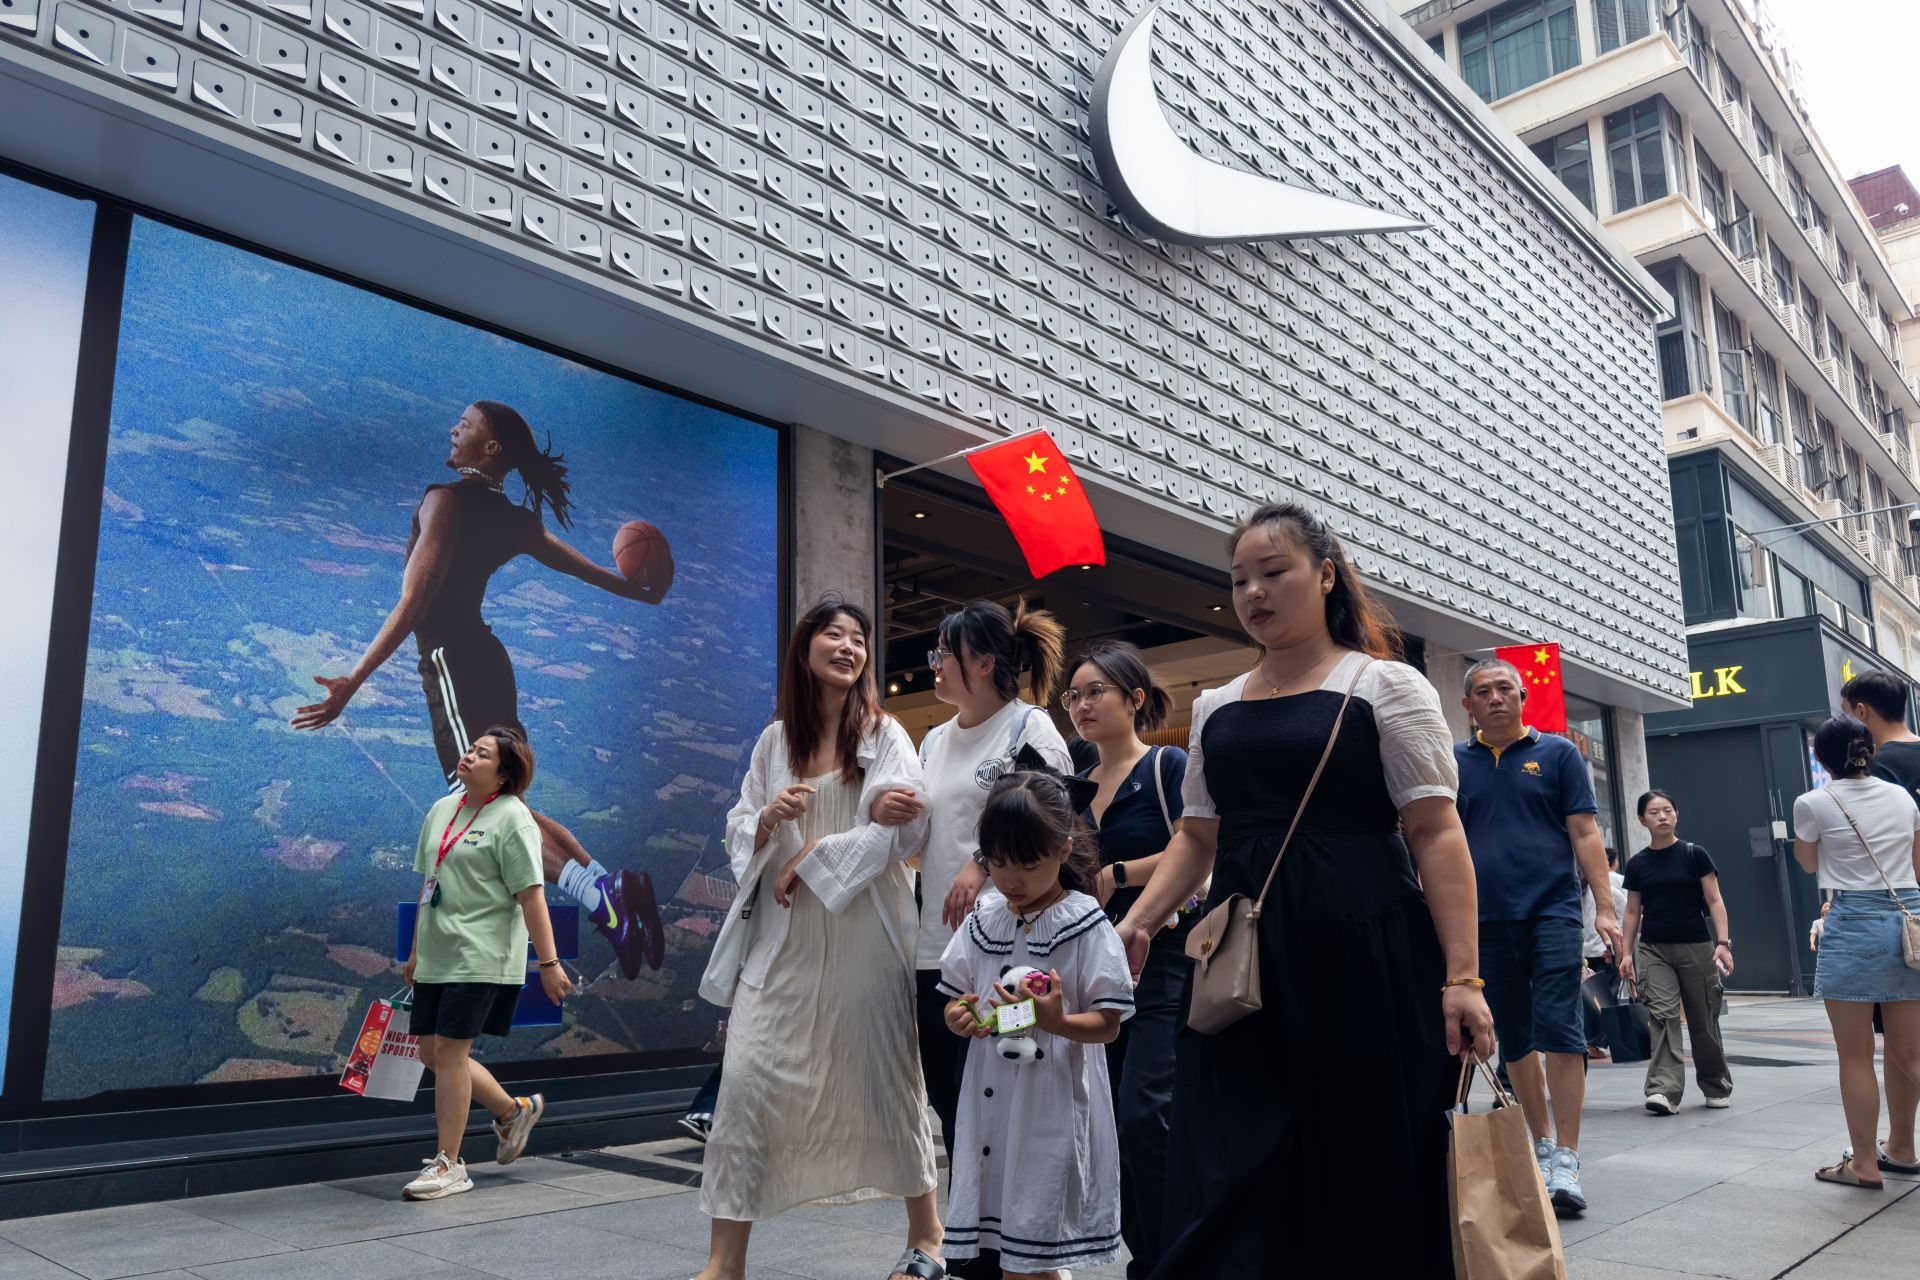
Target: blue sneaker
{"type": "Point", "coordinates": [1563, 1187]}
{"type": "Point", "coordinates": [1543, 1152]}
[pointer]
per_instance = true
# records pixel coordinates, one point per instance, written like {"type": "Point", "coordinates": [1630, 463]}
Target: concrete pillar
{"type": "Point", "coordinates": [833, 513]}
{"type": "Point", "coordinates": [1445, 674]}
{"type": "Point", "coordinates": [1630, 748]}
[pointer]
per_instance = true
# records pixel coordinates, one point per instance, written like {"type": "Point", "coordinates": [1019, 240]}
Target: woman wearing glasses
{"type": "Point", "coordinates": [982, 652]}
{"type": "Point", "coordinates": [1112, 700]}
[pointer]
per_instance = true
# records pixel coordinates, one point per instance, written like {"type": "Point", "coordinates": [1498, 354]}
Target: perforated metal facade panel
{"type": "Point", "coordinates": [903, 193]}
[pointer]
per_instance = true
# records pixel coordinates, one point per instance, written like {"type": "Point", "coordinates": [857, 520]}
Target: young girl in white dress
{"type": "Point", "coordinates": [1036, 1161]}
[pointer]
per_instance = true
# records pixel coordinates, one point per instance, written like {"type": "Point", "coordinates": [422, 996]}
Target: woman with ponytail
{"type": "Point", "coordinates": [463, 531]}
{"type": "Point", "coordinates": [1133, 806]}
{"type": "Point", "coordinates": [978, 661]}
{"type": "Point", "coordinates": [1861, 836]}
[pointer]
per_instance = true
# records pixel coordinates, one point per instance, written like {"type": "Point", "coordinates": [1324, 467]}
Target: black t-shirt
{"type": "Point", "coordinates": [1899, 763]}
{"type": "Point", "coordinates": [1673, 905]}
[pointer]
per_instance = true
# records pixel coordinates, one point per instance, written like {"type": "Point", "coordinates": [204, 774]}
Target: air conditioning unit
{"type": "Point", "coordinates": [1783, 464]}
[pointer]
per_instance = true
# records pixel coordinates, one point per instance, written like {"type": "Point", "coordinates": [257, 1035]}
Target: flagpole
{"type": "Point", "coordinates": [880, 478]}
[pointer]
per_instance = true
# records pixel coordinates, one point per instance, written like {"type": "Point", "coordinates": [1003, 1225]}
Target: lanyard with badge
{"type": "Point", "coordinates": [430, 891]}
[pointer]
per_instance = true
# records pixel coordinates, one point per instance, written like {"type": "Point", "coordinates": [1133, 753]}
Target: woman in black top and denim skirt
{"type": "Point", "coordinates": [1113, 699]}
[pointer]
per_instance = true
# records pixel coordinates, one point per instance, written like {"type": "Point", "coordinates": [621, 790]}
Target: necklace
{"type": "Point", "coordinates": [475, 473]}
{"type": "Point", "coordinates": [1026, 922]}
{"type": "Point", "coordinates": [1275, 688]}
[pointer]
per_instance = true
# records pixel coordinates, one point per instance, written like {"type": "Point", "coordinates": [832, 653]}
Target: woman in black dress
{"type": "Point", "coordinates": [1114, 699]}
{"type": "Point", "coordinates": [1297, 1127]}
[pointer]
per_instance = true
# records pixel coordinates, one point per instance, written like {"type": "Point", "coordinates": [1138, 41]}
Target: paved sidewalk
{"type": "Point", "coordinates": [1704, 1193]}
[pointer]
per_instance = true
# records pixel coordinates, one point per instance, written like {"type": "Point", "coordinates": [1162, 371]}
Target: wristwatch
{"type": "Point", "coordinates": [1724, 942]}
{"type": "Point", "coordinates": [1120, 874]}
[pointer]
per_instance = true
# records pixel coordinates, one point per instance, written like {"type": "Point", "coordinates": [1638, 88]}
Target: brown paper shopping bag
{"type": "Point", "coordinates": [1503, 1223]}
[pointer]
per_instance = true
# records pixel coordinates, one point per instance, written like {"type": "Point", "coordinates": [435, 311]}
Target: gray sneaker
{"type": "Point", "coordinates": [1543, 1152]}
{"type": "Point", "coordinates": [513, 1133]}
{"type": "Point", "coordinates": [441, 1177]}
{"type": "Point", "coordinates": [1563, 1187]}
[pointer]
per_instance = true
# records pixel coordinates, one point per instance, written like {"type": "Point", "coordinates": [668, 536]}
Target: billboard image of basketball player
{"type": "Point", "coordinates": [463, 532]}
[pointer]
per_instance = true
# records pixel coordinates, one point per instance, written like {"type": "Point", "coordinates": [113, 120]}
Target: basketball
{"type": "Point", "coordinates": [641, 552]}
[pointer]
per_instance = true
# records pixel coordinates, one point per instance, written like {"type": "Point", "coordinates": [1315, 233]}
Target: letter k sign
{"type": "Point", "coordinates": [1180, 196]}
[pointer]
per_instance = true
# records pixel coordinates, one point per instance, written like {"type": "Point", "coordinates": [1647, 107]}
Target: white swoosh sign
{"type": "Point", "coordinates": [1178, 195]}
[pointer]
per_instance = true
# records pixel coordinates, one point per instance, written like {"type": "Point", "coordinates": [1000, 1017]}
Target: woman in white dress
{"type": "Point", "coordinates": [820, 1092]}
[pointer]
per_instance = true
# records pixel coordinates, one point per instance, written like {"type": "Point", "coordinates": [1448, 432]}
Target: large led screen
{"type": "Point", "coordinates": [232, 880]}
{"type": "Point", "coordinates": [43, 277]}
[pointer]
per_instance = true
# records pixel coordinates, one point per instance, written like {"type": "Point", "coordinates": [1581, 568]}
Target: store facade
{"type": "Point", "coordinates": [730, 255]}
{"type": "Point", "coordinates": [1736, 760]}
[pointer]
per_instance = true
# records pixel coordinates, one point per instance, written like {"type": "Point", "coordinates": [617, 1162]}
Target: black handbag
{"type": "Point", "coordinates": [1628, 1026]}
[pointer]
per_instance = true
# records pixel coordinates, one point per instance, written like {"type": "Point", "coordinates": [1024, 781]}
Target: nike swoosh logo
{"type": "Point", "coordinates": [1178, 195]}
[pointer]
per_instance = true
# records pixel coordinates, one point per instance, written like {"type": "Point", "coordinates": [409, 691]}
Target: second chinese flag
{"type": "Point", "coordinates": [1539, 666]}
{"type": "Point", "coordinates": [1029, 480]}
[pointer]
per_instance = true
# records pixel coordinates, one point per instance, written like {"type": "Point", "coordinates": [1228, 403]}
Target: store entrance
{"type": "Point", "coordinates": [944, 545]}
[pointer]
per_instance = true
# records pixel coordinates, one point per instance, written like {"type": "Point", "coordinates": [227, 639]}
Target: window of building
{"type": "Point", "coordinates": [1682, 340]}
{"type": "Point", "coordinates": [1770, 424]}
{"type": "Point", "coordinates": [1643, 153]}
{"type": "Point", "coordinates": [1797, 199]}
{"type": "Point", "coordinates": [1836, 345]}
{"type": "Point", "coordinates": [1810, 311]}
{"type": "Point", "coordinates": [1820, 218]}
{"type": "Point", "coordinates": [1570, 156]}
{"type": "Point", "coordinates": [1699, 52]}
{"type": "Point", "coordinates": [1792, 593]}
{"type": "Point", "coordinates": [1439, 46]}
{"type": "Point", "coordinates": [1618, 22]}
{"type": "Point", "coordinates": [1590, 729]}
{"type": "Point", "coordinates": [1713, 192]}
{"type": "Point", "coordinates": [1762, 134]}
{"type": "Point", "coordinates": [1735, 384]}
{"type": "Point", "coordinates": [1823, 467]}
{"type": "Point", "coordinates": [1846, 264]}
{"type": "Point", "coordinates": [1518, 45]}
{"type": "Point", "coordinates": [1863, 390]}
{"type": "Point", "coordinates": [1753, 564]}
{"type": "Point", "coordinates": [1782, 272]}
{"type": "Point", "coordinates": [1876, 500]}
{"type": "Point", "coordinates": [1806, 440]}
{"type": "Point", "coordinates": [1852, 490]}
{"type": "Point", "coordinates": [1729, 83]}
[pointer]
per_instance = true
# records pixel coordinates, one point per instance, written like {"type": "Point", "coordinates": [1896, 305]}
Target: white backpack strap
{"type": "Point", "coordinates": [1020, 730]}
{"type": "Point", "coordinates": [926, 743]}
{"type": "Point", "coordinates": [1160, 788]}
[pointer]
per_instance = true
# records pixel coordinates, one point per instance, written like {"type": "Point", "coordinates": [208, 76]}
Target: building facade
{"type": "Point", "coordinates": [877, 231]}
{"type": "Point", "coordinates": [1787, 401]}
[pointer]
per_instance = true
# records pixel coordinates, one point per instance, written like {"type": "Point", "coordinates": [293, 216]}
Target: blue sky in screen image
{"type": "Point", "coordinates": [273, 431]}
{"type": "Point", "coordinates": [43, 262]}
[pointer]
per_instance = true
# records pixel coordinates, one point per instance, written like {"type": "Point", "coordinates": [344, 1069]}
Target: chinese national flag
{"type": "Point", "coordinates": [1029, 480]}
{"type": "Point", "coordinates": [1539, 666]}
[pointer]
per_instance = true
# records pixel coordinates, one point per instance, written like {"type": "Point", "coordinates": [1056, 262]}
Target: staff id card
{"type": "Point", "coordinates": [430, 892]}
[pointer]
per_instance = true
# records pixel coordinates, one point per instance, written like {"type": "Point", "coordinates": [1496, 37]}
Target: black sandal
{"type": "Point", "coordinates": [919, 1265]}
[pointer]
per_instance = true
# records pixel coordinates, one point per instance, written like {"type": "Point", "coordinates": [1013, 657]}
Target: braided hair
{"type": "Point", "coordinates": [542, 470]}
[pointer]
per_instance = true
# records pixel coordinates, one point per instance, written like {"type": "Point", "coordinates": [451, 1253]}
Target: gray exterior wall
{"type": "Point", "coordinates": [899, 198]}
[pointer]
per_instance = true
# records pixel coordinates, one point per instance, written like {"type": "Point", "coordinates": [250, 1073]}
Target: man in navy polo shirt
{"type": "Point", "coordinates": [1526, 801]}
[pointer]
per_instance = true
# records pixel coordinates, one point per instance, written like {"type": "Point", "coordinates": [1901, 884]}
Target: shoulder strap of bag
{"type": "Point", "coordinates": [1871, 857]}
{"type": "Point", "coordinates": [1333, 736]}
{"type": "Point", "coordinates": [1160, 788]}
{"type": "Point", "coordinates": [1019, 731]}
{"type": "Point", "coordinates": [926, 743]}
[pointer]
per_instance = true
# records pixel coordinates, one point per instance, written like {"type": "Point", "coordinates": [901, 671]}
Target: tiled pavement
{"type": "Point", "coordinates": [1705, 1193]}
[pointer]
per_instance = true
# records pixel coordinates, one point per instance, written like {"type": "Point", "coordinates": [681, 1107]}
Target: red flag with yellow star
{"type": "Point", "coordinates": [1539, 665]}
{"type": "Point", "coordinates": [1029, 480]}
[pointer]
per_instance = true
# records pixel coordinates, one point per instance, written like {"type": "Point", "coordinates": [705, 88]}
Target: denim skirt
{"type": "Point", "coordinates": [1859, 957]}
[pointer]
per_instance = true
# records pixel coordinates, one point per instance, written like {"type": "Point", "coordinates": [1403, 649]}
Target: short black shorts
{"type": "Point", "coordinates": [463, 1010]}
{"type": "Point", "coordinates": [470, 688]}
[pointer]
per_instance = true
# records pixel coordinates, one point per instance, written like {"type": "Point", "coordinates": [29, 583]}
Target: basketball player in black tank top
{"type": "Point", "coordinates": [462, 533]}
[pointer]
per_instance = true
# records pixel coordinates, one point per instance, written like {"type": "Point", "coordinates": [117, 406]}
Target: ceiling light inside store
{"type": "Point", "coordinates": [919, 515]}
{"type": "Point", "coordinates": [893, 687]}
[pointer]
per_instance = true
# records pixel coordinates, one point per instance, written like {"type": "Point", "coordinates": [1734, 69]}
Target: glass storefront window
{"type": "Point", "coordinates": [1590, 729]}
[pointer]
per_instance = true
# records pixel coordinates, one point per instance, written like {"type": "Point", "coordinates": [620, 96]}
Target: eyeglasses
{"type": "Point", "coordinates": [935, 657]}
{"type": "Point", "coordinates": [1069, 698]}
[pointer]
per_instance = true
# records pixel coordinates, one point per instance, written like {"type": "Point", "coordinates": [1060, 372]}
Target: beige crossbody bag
{"type": "Point", "coordinates": [1225, 945]}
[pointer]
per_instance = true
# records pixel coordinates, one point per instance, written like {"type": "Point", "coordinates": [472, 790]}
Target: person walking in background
{"type": "Point", "coordinates": [1879, 700]}
{"type": "Point", "coordinates": [1676, 946]}
{"type": "Point", "coordinates": [1527, 803]}
{"type": "Point", "coordinates": [820, 1096]}
{"type": "Point", "coordinates": [1369, 972]}
{"type": "Point", "coordinates": [980, 655]}
{"type": "Point", "coordinates": [463, 533]}
{"type": "Point", "coordinates": [481, 901]}
{"type": "Point", "coordinates": [1036, 1166]}
{"type": "Point", "coordinates": [1603, 975]}
{"type": "Point", "coordinates": [1861, 836]}
{"type": "Point", "coordinates": [1113, 698]}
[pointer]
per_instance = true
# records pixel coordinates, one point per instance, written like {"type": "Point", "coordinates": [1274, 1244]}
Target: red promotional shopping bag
{"type": "Point", "coordinates": [385, 1062]}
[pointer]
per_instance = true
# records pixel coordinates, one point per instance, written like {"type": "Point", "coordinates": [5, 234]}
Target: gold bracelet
{"type": "Point", "coordinates": [548, 964]}
{"type": "Point", "coordinates": [1463, 982]}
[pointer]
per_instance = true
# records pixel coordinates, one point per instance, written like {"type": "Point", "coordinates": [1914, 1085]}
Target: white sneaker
{"type": "Point", "coordinates": [514, 1133]}
{"type": "Point", "coordinates": [444, 1177]}
{"type": "Point", "coordinates": [1719, 1104]}
{"type": "Point", "coordinates": [1661, 1105]}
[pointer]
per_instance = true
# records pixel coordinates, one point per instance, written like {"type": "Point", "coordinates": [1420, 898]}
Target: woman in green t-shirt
{"type": "Point", "coordinates": [480, 853]}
